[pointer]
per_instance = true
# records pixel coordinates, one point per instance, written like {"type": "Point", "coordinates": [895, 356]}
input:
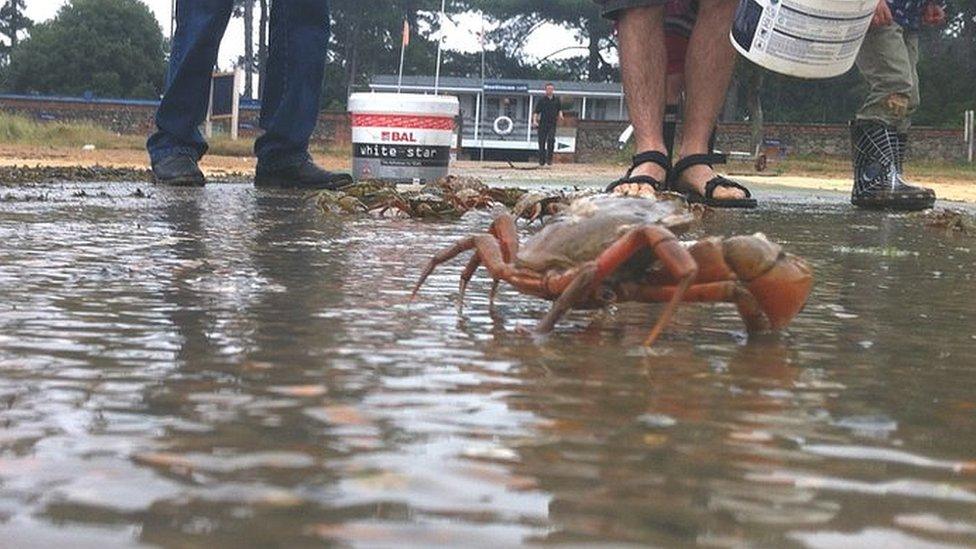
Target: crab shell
{"type": "Point", "coordinates": [587, 226]}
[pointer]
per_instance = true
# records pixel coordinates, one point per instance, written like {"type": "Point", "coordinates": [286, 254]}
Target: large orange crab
{"type": "Point", "coordinates": [607, 248]}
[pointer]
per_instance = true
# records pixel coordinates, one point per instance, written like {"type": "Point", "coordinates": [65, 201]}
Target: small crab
{"type": "Point", "coordinates": [535, 205]}
{"type": "Point", "coordinates": [507, 196]}
{"type": "Point", "coordinates": [338, 203]}
{"type": "Point", "coordinates": [467, 193]}
{"type": "Point", "coordinates": [427, 204]}
{"type": "Point", "coordinates": [456, 183]}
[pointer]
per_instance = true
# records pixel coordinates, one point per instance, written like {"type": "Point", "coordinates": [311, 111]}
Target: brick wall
{"type": "Point", "coordinates": [598, 139]}
{"type": "Point", "coordinates": [129, 117]}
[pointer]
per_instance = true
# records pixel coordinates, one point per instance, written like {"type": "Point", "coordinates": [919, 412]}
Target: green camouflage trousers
{"type": "Point", "coordinates": [888, 61]}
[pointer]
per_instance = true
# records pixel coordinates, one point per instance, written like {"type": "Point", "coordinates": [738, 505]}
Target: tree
{"type": "Point", "coordinates": [245, 10]}
{"type": "Point", "coordinates": [519, 18]}
{"type": "Point", "coordinates": [366, 41]}
{"type": "Point", "coordinates": [110, 47]}
{"type": "Point", "coordinates": [262, 43]}
{"type": "Point", "coordinates": [13, 23]}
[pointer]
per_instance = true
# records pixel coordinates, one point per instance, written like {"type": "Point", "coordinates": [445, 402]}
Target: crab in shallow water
{"type": "Point", "coordinates": [605, 249]}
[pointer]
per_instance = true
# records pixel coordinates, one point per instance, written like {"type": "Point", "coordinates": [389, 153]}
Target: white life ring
{"type": "Point", "coordinates": [508, 125]}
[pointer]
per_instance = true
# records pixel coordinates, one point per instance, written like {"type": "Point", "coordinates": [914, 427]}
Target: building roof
{"type": "Point", "coordinates": [455, 83]}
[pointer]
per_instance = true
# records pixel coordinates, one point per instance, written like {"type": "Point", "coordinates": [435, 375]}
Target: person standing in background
{"type": "Point", "coordinates": [289, 106]}
{"type": "Point", "coordinates": [888, 61]}
{"type": "Point", "coordinates": [548, 112]}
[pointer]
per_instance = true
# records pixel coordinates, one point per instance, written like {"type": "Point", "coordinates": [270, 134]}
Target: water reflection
{"type": "Point", "coordinates": [229, 368]}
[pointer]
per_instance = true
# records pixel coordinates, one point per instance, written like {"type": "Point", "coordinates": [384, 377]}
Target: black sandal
{"type": "Point", "coordinates": [654, 157]}
{"type": "Point", "coordinates": [695, 197]}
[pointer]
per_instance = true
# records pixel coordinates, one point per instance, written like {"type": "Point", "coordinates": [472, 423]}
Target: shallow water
{"type": "Point", "coordinates": [227, 367]}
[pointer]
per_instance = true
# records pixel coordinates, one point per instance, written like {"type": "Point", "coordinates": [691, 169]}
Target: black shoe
{"type": "Point", "coordinates": [879, 154]}
{"type": "Point", "coordinates": [305, 175]}
{"type": "Point", "coordinates": [179, 170]}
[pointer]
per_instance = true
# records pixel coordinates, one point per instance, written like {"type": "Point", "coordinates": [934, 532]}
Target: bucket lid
{"type": "Point", "coordinates": [404, 103]}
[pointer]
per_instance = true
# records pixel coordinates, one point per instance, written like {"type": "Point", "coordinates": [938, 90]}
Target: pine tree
{"type": "Point", "coordinates": [245, 10]}
{"type": "Point", "coordinates": [13, 24]}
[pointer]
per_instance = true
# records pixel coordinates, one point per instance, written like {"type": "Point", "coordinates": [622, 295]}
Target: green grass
{"type": "Point", "coordinates": [23, 131]}
{"type": "Point", "coordinates": [20, 130]}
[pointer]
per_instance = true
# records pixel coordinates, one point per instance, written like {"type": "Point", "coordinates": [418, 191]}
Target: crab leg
{"type": "Point", "coordinates": [780, 282]}
{"type": "Point", "coordinates": [487, 250]}
{"type": "Point", "coordinates": [493, 293]}
{"type": "Point", "coordinates": [728, 291]}
{"type": "Point", "coordinates": [675, 258]}
{"type": "Point", "coordinates": [504, 230]}
{"type": "Point", "coordinates": [466, 275]}
{"type": "Point", "coordinates": [579, 289]}
{"type": "Point", "coordinates": [489, 254]}
{"type": "Point", "coordinates": [768, 286]}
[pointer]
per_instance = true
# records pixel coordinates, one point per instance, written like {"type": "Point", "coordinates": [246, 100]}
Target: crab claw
{"type": "Point", "coordinates": [780, 282]}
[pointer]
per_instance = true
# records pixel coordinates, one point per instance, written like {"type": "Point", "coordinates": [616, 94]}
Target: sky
{"type": "Point", "coordinates": [460, 36]}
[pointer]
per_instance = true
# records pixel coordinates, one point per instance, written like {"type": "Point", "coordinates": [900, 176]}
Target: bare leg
{"type": "Point", "coordinates": [708, 71]}
{"type": "Point", "coordinates": [643, 60]}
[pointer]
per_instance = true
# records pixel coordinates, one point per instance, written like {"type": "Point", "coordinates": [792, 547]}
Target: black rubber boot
{"type": "Point", "coordinates": [304, 175]}
{"type": "Point", "coordinates": [878, 154]}
{"type": "Point", "coordinates": [179, 170]}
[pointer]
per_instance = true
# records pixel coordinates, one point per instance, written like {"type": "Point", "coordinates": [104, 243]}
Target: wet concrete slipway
{"type": "Point", "coordinates": [227, 367]}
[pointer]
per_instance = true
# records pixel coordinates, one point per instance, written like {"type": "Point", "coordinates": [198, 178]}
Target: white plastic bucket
{"type": "Point", "coordinates": [804, 38]}
{"type": "Point", "coordinates": [402, 137]}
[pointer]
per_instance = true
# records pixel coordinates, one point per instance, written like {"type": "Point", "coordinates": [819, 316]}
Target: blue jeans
{"type": "Point", "coordinates": [292, 87]}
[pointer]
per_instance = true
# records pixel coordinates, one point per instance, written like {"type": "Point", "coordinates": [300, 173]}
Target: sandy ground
{"type": "Point", "coordinates": [953, 189]}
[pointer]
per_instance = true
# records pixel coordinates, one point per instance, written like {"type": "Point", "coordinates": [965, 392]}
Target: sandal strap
{"type": "Point", "coordinates": [720, 181]}
{"type": "Point", "coordinates": [654, 157]}
{"type": "Point", "coordinates": [707, 159]}
{"type": "Point", "coordinates": [638, 179]}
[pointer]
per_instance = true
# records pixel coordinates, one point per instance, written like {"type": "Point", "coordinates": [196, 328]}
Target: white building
{"type": "Point", "coordinates": [497, 114]}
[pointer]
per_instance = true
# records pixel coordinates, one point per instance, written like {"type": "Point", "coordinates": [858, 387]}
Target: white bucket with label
{"type": "Point", "coordinates": [402, 137]}
{"type": "Point", "coordinates": [804, 38]}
